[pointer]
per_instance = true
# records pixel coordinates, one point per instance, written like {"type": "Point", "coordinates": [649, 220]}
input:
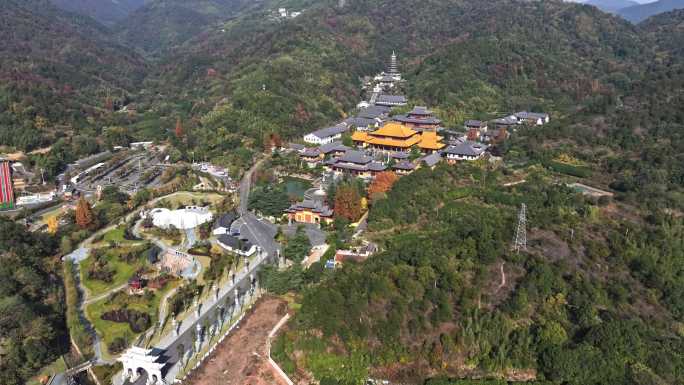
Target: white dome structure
{"type": "Point", "coordinates": [183, 219]}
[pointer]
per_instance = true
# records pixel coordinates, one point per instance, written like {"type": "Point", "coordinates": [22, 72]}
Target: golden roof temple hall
{"type": "Point", "coordinates": [395, 136]}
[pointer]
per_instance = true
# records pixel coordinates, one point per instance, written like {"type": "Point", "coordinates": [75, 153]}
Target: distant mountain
{"type": "Point", "coordinates": [161, 24]}
{"type": "Point", "coordinates": [611, 5]}
{"type": "Point", "coordinates": [261, 74]}
{"type": "Point", "coordinates": [106, 12]}
{"type": "Point", "coordinates": [668, 31]}
{"type": "Point", "coordinates": [55, 70]}
{"type": "Point", "coordinates": [638, 13]}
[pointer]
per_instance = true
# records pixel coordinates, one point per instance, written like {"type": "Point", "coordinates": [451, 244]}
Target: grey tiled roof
{"type": "Point", "coordinates": [234, 242]}
{"type": "Point", "coordinates": [330, 131]}
{"type": "Point", "coordinates": [390, 99]}
{"type": "Point", "coordinates": [531, 115]}
{"type": "Point", "coordinates": [432, 159]}
{"type": "Point", "coordinates": [311, 152]}
{"type": "Point", "coordinates": [372, 112]}
{"type": "Point", "coordinates": [314, 206]}
{"type": "Point", "coordinates": [404, 165]}
{"type": "Point", "coordinates": [333, 147]}
{"type": "Point", "coordinates": [226, 220]}
{"type": "Point", "coordinates": [353, 156]}
{"type": "Point", "coordinates": [408, 119]}
{"type": "Point", "coordinates": [376, 166]}
{"type": "Point", "coordinates": [399, 155]}
{"type": "Point", "coordinates": [360, 122]}
{"type": "Point", "coordinates": [508, 121]}
{"type": "Point", "coordinates": [466, 149]}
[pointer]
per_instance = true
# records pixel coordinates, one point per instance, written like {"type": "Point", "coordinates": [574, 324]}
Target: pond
{"type": "Point", "coordinates": [296, 187]}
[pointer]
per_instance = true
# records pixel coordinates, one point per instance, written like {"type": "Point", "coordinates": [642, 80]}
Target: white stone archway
{"type": "Point", "coordinates": [136, 359]}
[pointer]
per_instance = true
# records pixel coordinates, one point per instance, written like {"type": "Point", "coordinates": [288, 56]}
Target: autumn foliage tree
{"type": "Point", "coordinates": [179, 129]}
{"type": "Point", "coordinates": [382, 183]}
{"type": "Point", "coordinates": [52, 225]}
{"type": "Point", "coordinates": [348, 203]}
{"type": "Point", "coordinates": [84, 214]}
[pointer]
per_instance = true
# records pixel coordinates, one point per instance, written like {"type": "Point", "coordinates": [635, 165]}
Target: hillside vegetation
{"type": "Point", "coordinates": [107, 12]}
{"type": "Point", "coordinates": [288, 76]}
{"type": "Point", "coordinates": [594, 299]}
{"type": "Point", "coordinates": [641, 12]}
{"type": "Point", "coordinates": [159, 25]}
{"type": "Point", "coordinates": [56, 70]}
{"type": "Point", "coordinates": [32, 323]}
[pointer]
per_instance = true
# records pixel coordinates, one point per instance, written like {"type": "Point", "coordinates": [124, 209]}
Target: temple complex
{"type": "Point", "coordinates": [393, 69]}
{"type": "Point", "coordinates": [313, 209]}
{"type": "Point", "coordinates": [310, 211]}
{"type": "Point", "coordinates": [355, 163]}
{"type": "Point", "coordinates": [420, 118]}
{"type": "Point", "coordinates": [395, 136]}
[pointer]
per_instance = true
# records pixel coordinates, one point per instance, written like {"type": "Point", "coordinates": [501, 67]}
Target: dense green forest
{"type": "Point", "coordinates": [179, 21]}
{"type": "Point", "coordinates": [594, 299]}
{"type": "Point", "coordinates": [32, 323]}
{"type": "Point", "coordinates": [57, 71]}
{"type": "Point", "coordinates": [247, 75]}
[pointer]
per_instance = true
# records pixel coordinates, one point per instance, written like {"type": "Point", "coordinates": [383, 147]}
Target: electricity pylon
{"type": "Point", "coordinates": [520, 240]}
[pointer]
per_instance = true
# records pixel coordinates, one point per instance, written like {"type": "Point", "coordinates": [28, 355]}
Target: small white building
{"type": "Point", "coordinates": [326, 135]}
{"type": "Point", "coordinates": [187, 218]}
{"type": "Point", "coordinates": [532, 118]}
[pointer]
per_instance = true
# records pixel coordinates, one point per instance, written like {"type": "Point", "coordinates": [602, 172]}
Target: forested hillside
{"type": "Point", "coordinates": [160, 25]}
{"type": "Point", "coordinates": [597, 297]}
{"type": "Point", "coordinates": [594, 299]}
{"type": "Point", "coordinates": [56, 71]}
{"type": "Point", "coordinates": [106, 12]}
{"type": "Point", "coordinates": [468, 58]}
{"type": "Point", "coordinates": [641, 12]}
{"type": "Point", "coordinates": [32, 323]}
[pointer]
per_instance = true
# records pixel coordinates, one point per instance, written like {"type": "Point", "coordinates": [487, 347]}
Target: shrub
{"type": "Point", "coordinates": [117, 346]}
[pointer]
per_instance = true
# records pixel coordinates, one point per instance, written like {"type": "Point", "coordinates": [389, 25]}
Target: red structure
{"type": "Point", "coordinates": [6, 192]}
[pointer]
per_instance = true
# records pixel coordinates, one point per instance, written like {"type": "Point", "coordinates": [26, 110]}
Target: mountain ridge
{"type": "Point", "coordinates": [611, 5]}
{"type": "Point", "coordinates": [161, 24]}
{"type": "Point", "coordinates": [641, 12]}
{"type": "Point", "coordinates": [107, 12]}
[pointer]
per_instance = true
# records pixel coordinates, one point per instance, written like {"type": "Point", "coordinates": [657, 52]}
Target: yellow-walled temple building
{"type": "Point", "coordinates": [395, 136]}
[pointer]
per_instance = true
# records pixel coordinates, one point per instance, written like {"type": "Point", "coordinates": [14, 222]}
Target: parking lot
{"type": "Point", "coordinates": [128, 170]}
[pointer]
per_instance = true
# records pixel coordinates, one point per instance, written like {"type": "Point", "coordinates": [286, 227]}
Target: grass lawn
{"type": "Point", "coordinates": [55, 367]}
{"type": "Point", "coordinates": [50, 214]}
{"type": "Point", "coordinates": [123, 271]}
{"type": "Point", "coordinates": [205, 261]}
{"type": "Point", "coordinates": [186, 198]}
{"type": "Point", "coordinates": [115, 235]}
{"type": "Point", "coordinates": [109, 330]}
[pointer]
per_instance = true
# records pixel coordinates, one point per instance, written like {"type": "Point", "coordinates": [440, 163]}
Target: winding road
{"type": "Point", "coordinates": [222, 302]}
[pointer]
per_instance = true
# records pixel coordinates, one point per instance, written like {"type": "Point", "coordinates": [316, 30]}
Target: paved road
{"type": "Point", "coordinates": [260, 232]}
{"type": "Point", "coordinates": [104, 295]}
{"type": "Point", "coordinates": [209, 312]}
{"type": "Point", "coordinates": [316, 235]}
{"type": "Point", "coordinates": [363, 225]}
{"type": "Point", "coordinates": [245, 186]}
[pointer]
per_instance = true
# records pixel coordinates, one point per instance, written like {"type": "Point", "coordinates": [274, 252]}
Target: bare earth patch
{"type": "Point", "coordinates": [241, 359]}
